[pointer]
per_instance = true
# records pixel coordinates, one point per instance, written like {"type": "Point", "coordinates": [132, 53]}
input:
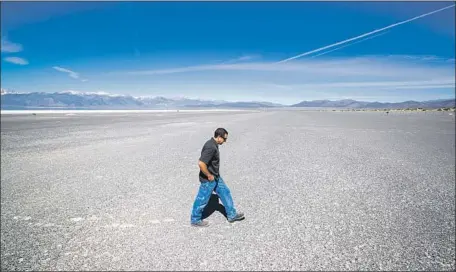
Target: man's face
{"type": "Point", "coordinates": [222, 140]}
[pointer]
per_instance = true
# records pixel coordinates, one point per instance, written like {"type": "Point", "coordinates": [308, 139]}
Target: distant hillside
{"type": "Point", "coordinates": [241, 105]}
{"type": "Point", "coordinates": [73, 99]}
{"type": "Point", "coordinates": [347, 103]}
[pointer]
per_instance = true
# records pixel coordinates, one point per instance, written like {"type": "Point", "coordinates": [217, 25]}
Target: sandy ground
{"type": "Point", "coordinates": [321, 191]}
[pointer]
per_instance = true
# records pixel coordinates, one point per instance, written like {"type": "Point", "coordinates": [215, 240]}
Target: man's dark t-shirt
{"type": "Point", "coordinates": [210, 155]}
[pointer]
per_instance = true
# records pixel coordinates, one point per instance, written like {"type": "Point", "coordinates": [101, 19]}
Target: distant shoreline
{"type": "Point", "coordinates": [66, 111]}
{"type": "Point", "coordinates": [101, 111]}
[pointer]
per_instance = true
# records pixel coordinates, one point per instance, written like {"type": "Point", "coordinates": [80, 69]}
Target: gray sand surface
{"type": "Point", "coordinates": [320, 190]}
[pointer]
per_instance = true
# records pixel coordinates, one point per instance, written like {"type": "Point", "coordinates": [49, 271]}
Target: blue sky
{"type": "Point", "coordinates": [230, 50]}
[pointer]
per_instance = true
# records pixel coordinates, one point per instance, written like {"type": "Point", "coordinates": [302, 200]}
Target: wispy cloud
{"type": "Point", "coordinates": [241, 59]}
{"type": "Point", "coordinates": [318, 87]}
{"type": "Point", "coordinates": [16, 60]}
{"type": "Point", "coordinates": [421, 84]}
{"type": "Point", "coordinates": [427, 58]}
{"type": "Point", "coordinates": [414, 77]}
{"type": "Point", "coordinates": [64, 70]}
{"type": "Point", "coordinates": [10, 47]}
{"type": "Point", "coordinates": [245, 58]}
{"type": "Point", "coordinates": [373, 66]}
{"type": "Point", "coordinates": [365, 34]}
{"type": "Point", "coordinates": [70, 73]}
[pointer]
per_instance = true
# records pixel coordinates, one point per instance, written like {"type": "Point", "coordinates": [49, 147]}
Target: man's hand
{"type": "Point", "coordinates": [210, 177]}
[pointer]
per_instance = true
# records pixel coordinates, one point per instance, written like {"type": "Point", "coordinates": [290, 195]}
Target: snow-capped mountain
{"type": "Point", "coordinates": [6, 91]}
{"type": "Point", "coordinates": [104, 100]}
{"type": "Point", "coordinates": [348, 103]}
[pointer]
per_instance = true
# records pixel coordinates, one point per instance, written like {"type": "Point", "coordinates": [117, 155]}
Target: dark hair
{"type": "Point", "coordinates": [220, 132]}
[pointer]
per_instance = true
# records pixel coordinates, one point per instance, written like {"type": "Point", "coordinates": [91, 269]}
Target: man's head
{"type": "Point", "coordinates": [220, 135]}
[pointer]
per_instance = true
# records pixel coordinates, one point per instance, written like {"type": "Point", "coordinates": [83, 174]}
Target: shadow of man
{"type": "Point", "coordinates": [212, 206]}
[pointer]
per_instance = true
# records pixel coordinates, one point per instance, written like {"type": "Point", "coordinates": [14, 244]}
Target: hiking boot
{"type": "Point", "coordinates": [239, 216]}
{"type": "Point", "coordinates": [201, 223]}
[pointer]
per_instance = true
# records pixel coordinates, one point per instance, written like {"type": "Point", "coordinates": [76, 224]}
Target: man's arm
{"type": "Point", "coordinates": [203, 168]}
{"type": "Point", "coordinates": [206, 157]}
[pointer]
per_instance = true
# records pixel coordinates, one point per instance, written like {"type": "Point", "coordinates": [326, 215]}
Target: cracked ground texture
{"type": "Point", "coordinates": [320, 190]}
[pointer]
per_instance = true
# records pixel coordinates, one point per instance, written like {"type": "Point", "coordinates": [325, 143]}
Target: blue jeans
{"type": "Point", "coordinates": [204, 194]}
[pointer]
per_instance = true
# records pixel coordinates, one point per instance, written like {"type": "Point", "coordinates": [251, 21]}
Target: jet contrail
{"type": "Point", "coordinates": [335, 49]}
{"type": "Point", "coordinates": [366, 34]}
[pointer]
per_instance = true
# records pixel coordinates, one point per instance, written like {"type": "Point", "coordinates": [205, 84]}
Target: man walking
{"type": "Point", "coordinates": [210, 180]}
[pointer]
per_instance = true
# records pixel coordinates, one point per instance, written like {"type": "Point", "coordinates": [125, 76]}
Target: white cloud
{"type": "Point", "coordinates": [64, 70]}
{"type": "Point", "coordinates": [427, 84]}
{"type": "Point", "coordinates": [10, 47]}
{"type": "Point", "coordinates": [240, 59]}
{"type": "Point", "coordinates": [423, 58]}
{"type": "Point", "coordinates": [245, 58]}
{"type": "Point", "coordinates": [396, 77]}
{"type": "Point", "coordinates": [16, 60]}
{"type": "Point", "coordinates": [363, 68]}
{"type": "Point", "coordinates": [70, 73]}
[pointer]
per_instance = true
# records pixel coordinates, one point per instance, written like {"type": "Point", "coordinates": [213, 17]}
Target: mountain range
{"type": "Point", "coordinates": [348, 103]}
{"type": "Point", "coordinates": [101, 100]}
